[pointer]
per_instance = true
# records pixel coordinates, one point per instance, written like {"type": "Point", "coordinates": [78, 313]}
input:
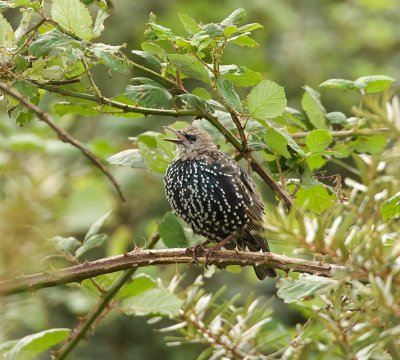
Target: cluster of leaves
{"type": "Point", "coordinates": [356, 313]}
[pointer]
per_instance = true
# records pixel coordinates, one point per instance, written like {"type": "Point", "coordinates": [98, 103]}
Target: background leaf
{"type": "Point", "coordinates": [374, 83]}
{"type": "Point", "coordinates": [156, 301]}
{"type": "Point", "coordinates": [292, 290]}
{"type": "Point", "coordinates": [131, 158]}
{"type": "Point", "coordinates": [172, 232]}
{"type": "Point", "coordinates": [313, 108]}
{"type": "Point", "coordinates": [315, 198]}
{"type": "Point", "coordinates": [318, 140]}
{"type": "Point", "coordinates": [29, 346]}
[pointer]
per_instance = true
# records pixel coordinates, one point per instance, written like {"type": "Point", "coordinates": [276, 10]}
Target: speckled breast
{"type": "Point", "coordinates": [206, 197]}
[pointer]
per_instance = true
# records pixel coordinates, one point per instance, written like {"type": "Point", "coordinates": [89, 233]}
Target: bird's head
{"type": "Point", "coordinates": [191, 142]}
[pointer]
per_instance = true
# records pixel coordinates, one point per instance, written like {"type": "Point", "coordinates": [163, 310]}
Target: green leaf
{"type": "Point", "coordinates": [95, 227]}
{"type": "Point", "coordinates": [226, 90]}
{"type": "Point", "coordinates": [230, 30]}
{"type": "Point", "coordinates": [250, 27]}
{"type": "Point", "coordinates": [29, 346]}
{"type": "Point", "coordinates": [369, 144]}
{"type": "Point", "coordinates": [66, 245]}
{"type": "Point", "coordinates": [266, 100]}
{"type": "Point", "coordinates": [315, 198]}
{"type": "Point", "coordinates": [291, 290]}
{"type": "Point", "coordinates": [156, 301]}
{"type": "Point", "coordinates": [51, 40]}
{"type": "Point", "coordinates": [295, 117]}
{"type": "Point", "coordinates": [149, 95]}
{"type": "Point", "coordinates": [154, 49]}
{"type": "Point", "coordinates": [158, 32]}
{"type": "Point", "coordinates": [244, 40]}
{"type": "Point", "coordinates": [98, 27]}
{"type": "Point", "coordinates": [189, 24]}
{"type": "Point", "coordinates": [315, 161]}
{"type": "Point", "coordinates": [26, 88]}
{"type": "Point", "coordinates": [340, 84]}
{"type": "Point", "coordinates": [202, 93]}
{"type": "Point", "coordinates": [212, 30]}
{"type": "Point", "coordinates": [374, 83]}
{"type": "Point", "coordinates": [195, 102]}
{"type": "Point", "coordinates": [139, 284]}
{"type": "Point", "coordinates": [318, 140]}
{"type": "Point", "coordinates": [278, 139]}
{"type": "Point", "coordinates": [390, 209]}
{"type": "Point", "coordinates": [111, 57]}
{"type": "Point", "coordinates": [243, 77]}
{"type": "Point", "coordinates": [155, 151]}
{"type": "Point", "coordinates": [6, 32]}
{"type": "Point", "coordinates": [6, 346]}
{"type": "Point", "coordinates": [24, 117]}
{"type": "Point", "coordinates": [172, 232]}
{"type": "Point", "coordinates": [131, 158]}
{"type": "Point", "coordinates": [313, 108]}
{"type": "Point", "coordinates": [234, 18]}
{"type": "Point", "coordinates": [150, 59]}
{"type": "Point", "coordinates": [91, 243]}
{"type": "Point", "coordinates": [190, 66]}
{"type": "Point", "coordinates": [277, 142]}
{"type": "Point", "coordinates": [73, 16]}
{"type": "Point", "coordinates": [337, 118]}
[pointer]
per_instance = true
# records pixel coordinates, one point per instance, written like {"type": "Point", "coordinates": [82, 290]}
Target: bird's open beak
{"type": "Point", "coordinates": [180, 138]}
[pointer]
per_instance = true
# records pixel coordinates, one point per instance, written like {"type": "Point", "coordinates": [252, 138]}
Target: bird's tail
{"type": "Point", "coordinates": [255, 242]}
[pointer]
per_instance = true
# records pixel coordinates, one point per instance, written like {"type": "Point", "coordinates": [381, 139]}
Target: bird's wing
{"type": "Point", "coordinates": [248, 188]}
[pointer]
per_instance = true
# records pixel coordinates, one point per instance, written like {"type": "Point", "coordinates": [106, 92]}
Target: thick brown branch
{"type": "Point", "coordinates": [141, 258]}
{"type": "Point", "coordinates": [61, 133]}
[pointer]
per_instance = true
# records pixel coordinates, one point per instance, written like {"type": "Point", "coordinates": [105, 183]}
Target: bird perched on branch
{"type": "Point", "coordinates": [215, 196]}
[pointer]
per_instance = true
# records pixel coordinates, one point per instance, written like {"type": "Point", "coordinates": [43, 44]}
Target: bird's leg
{"type": "Point", "coordinates": [217, 247]}
{"type": "Point", "coordinates": [196, 251]}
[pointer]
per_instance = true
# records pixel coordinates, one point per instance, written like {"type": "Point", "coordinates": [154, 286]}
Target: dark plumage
{"type": "Point", "coordinates": [214, 196]}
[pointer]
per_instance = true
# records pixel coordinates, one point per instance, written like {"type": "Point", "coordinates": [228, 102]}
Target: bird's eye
{"type": "Point", "coordinates": [191, 138]}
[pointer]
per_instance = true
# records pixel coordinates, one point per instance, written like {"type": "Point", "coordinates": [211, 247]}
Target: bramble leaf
{"type": "Point", "coordinates": [73, 16]}
{"type": "Point", "coordinates": [266, 100]}
{"type": "Point", "coordinates": [292, 290]}
{"type": "Point", "coordinates": [374, 83]}
{"type": "Point", "coordinates": [29, 346]}
{"type": "Point", "coordinates": [190, 66]}
{"type": "Point", "coordinates": [172, 232]}
{"type": "Point", "coordinates": [318, 140]}
{"type": "Point", "coordinates": [312, 106]}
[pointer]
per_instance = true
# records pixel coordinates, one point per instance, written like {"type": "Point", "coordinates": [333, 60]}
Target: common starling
{"type": "Point", "coordinates": [214, 195]}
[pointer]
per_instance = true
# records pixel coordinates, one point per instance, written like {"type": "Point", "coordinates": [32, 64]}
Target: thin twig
{"type": "Point", "coordinates": [344, 133]}
{"type": "Point", "coordinates": [117, 104]}
{"type": "Point", "coordinates": [61, 133]}
{"type": "Point", "coordinates": [142, 258]}
{"type": "Point", "coordinates": [89, 75]}
{"type": "Point", "coordinates": [97, 311]}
